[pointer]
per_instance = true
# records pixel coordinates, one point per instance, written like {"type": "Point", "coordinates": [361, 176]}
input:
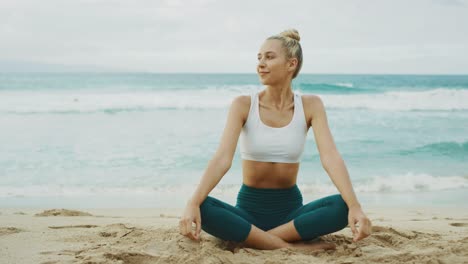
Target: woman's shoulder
{"type": "Point", "coordinates": [242, 101]}
{"type": "Point", "coordinates": [313, 105]}
{"type": "Point", "coordinates": [241, 105]}
{"type": "Point", "coordinates": [311, 100]}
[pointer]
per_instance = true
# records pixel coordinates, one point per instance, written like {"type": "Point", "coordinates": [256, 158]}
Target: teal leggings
{"type": "Point", "coordinates": [267, 208]}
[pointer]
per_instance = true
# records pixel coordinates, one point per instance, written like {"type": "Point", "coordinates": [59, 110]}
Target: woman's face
{"type": "Point", "coordinates": [273, 67]}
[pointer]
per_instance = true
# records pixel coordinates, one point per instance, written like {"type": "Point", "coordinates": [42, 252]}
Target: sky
{"type": "Point", "coordinates": [210, 36]}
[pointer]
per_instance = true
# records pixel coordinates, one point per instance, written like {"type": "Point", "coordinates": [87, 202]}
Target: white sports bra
{"type": "Point", "coordinates": [274, 144]}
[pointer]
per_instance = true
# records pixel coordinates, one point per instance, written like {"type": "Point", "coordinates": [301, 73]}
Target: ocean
{"type": "Point", "coordinates": [140, 140]}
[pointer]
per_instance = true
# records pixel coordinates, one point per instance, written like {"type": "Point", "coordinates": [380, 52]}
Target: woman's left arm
{"type": "Point", "coordinates": [335, 166]}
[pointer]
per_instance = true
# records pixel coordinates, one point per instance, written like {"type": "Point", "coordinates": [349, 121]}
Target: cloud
{"type": "Point", "coordinates": [452, 2]}
{"type": "Point", "coordinates": [224, 36]}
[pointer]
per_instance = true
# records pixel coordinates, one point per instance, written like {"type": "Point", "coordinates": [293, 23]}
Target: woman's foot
{"type": "Point", "coordinates": [314, 246]}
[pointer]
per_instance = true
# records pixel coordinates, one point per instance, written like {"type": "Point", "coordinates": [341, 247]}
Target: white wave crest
{"type": "Point", "coordinates": [437, 99]}
{"type": "Point", "coordinates": [406, 183]}
{"type": "Point", "coordinates": [215, 98]}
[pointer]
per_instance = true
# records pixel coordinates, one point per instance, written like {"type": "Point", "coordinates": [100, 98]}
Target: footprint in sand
{"type": "Point", "coordinates": [73, 226]}
{"type": "Point", "coordinates": [9, 230]}
{"type": "Point", "coordinates": [120, 230]}
{"type": "Point", "coordinates": [168, 216]}
{"type": "Point", "coordinates": [459, 224]}
{"type": "Point", "coordinates": [62, 212]}
{"type": "Point", "coordinates": [403, 233]}
{"type": "Point", "coordinates": [19, 213]}
{"type": "Point", "coordinates": [131, 257]}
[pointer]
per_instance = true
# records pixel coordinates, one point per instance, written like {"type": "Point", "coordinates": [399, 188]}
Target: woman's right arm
{"type": "Point", "coordinates": [217, 166]}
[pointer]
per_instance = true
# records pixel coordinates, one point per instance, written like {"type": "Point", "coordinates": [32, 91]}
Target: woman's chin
{"type": "Point", "coordinates": [263, 80]}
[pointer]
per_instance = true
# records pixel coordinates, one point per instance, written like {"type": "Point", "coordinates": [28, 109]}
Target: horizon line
{"type": "Point", "coordinates": [213, 73]}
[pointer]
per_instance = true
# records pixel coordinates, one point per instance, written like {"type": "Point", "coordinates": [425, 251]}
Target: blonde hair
{"type": "Point", "coordinates": [290, 39]}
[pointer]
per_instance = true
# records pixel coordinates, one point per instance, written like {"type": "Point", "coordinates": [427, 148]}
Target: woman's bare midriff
{"type": "Point", "coordinates": [260, 174]}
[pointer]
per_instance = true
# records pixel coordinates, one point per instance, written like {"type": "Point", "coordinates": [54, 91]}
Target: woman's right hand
{"type": "Point", "coordinates": [191, 215]}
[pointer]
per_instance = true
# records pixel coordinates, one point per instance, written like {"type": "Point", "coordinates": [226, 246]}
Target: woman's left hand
{"type": "Point", "coordinates": [356, 215]}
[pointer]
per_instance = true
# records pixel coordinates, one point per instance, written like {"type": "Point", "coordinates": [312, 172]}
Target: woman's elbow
{"type": "Point", "coordinates": [223, 161]}
{"type": "Point", "coordinates": [331, 160]}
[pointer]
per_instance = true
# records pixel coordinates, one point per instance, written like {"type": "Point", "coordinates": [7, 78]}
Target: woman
{"type": "Point", "coordinates": [272, 125]}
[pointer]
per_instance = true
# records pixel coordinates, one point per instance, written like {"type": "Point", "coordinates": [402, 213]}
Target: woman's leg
{"type": "Point", "coordinates": [224, 221]}
{"type": "Point", "coordinates": [286, 231]}
{"type": "Point", "coordinates": [317, 218]}
{"type": "Point", "coordinates": [227, 222]}
{"type": "Point", "coordinates": [231, 223]}
{"type": "Point", "coordinates": [260, 239]}
{"type": "Point", "coordinates": [320, 217]}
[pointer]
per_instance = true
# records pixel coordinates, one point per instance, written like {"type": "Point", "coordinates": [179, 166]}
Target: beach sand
{"type": "Point", "coordinates": [400, 235]}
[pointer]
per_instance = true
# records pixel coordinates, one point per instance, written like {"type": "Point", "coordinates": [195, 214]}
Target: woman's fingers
{"type": "Point", "coordinates": [192, 232]}
{"type": "Point", "coordinates": [365, 229]}
{"type": "Point", "coordinates": [191, 215]}
{"type": "Point", "coordinates": [198, 222]}
{"type": "Point", "coordinates": [185, 227]}
{"type": "Point", "coordinates": [352, 225]}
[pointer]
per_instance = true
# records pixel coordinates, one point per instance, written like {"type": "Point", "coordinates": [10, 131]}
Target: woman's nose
{"type": "Point", "coordinates": [261, 63]}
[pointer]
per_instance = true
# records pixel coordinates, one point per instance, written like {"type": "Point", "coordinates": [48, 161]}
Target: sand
{"type": "Point", "coordinates": [58, 235]}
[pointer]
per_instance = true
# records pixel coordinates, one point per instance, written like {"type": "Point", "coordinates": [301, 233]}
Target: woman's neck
{"type": "Point", "coordinates": [279, 96]}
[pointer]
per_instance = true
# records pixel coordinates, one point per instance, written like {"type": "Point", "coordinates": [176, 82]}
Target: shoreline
{"type": "Point", "coordinates": [434, 198]}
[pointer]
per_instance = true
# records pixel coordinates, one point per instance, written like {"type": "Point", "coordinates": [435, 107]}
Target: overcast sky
{"type": "Point", "coordinates": [368, 36]}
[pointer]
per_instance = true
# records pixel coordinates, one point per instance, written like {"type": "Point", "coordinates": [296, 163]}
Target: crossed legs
{"type": "Point", "coordinates": [322, 216]}
{"type": "Point", "coordinates": [284, 236]}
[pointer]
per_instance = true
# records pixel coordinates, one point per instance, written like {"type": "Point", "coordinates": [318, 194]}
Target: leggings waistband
{"type": "Point", "coordinates": [269, 201]}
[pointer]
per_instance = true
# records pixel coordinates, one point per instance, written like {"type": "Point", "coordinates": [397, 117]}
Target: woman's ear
{"type": "Point", "coordinates": [292, 64]}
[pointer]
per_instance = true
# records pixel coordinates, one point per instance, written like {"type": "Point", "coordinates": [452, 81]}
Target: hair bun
{"type": "Point", "coordinates": [291, 33]}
